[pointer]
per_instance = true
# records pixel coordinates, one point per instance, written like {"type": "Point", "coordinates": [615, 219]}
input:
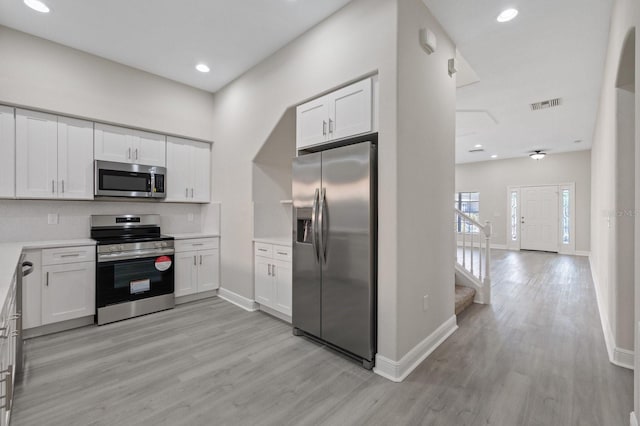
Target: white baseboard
{"type": "Point", "coordinates": [582, 253]}
{"type": "Point", "coordinates": [499, 246]}
{"type": "Point", "coordinates": [238, 300]}
{"type": "Point", "coordinates": [633, 420]}
{"type": "Point", "coordinates": [273, 312]}
{"type": "Point", "coordinates": [617, 356]}
{"type": "Point", "coordinates": [194, 297]}
{"type": "Point", "coordinates": [397, 371]}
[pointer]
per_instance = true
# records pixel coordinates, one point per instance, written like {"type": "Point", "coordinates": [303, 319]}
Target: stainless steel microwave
{"type": "Point", "coordinates": [129, 180]}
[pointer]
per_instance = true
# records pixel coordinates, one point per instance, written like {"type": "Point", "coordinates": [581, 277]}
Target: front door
{"type": "Point", "coordinates": [539, 218]}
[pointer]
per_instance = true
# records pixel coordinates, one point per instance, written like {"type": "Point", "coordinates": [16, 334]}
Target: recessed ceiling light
{"type": "Point", "coordinates": [507, 15]}
{"type": "Point", "coordinates": [494, 156]}
{"type": "Point", "coordinates": [37, 5]}
{"type": "Point", "coordinates": [201, 67]}
{"type": "Point", "coordinates": [478, 146]}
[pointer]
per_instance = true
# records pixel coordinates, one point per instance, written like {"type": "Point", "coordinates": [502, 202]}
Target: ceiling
{"type": "Point", "coordinates": [169, 37]}
{"type": "Point", "coordinates": [552, 49]}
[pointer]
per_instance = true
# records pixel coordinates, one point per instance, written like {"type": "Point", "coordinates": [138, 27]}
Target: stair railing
{"type": "Point", "coordinates": [473, 254]}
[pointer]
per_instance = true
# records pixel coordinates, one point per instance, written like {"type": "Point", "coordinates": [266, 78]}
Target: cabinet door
{"type": "Point", "coordinates": [113, 143]}
{"type": "Point", "coordinates": [350, 110]}
{"type": "Point", "coordinates": [32, 292]}
{"type": "Point", "coordinates": [208, 270]}
{"type": "Point", "coordinates": [7, 148]}
{"type": "Point", "coordinates": [185, 273]}
{"type": "Point", "coordinates": [179, 170]}
{"type": "Point", "coordinates": [149, 149]}
{"type": "Point", "coordinates": [36, 154]}
{"type": "Point", "coordinates": [263, 281]}
{"type": "Point", "coordinates": [69, 291]}
{"type": "Point", "coordinates": [282, 275]}
{"type": "Point", "coordinates": [75, 159]}
{"type": "Point", "coordinates": [201, 167]}
{"type": "Point", "coordinates": [312, 122]}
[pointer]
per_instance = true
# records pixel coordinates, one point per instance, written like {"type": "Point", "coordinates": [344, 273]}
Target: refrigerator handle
{"type": "Point", "coordinates": [321, 218]}
{"type": "Point", "coordinates": [314, 225]}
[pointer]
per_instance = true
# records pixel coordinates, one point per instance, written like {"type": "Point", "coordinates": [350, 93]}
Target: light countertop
{"type": "Point", "coordinates": [279, 241]}
{"type": "Point", "coordinates": [194, 235]}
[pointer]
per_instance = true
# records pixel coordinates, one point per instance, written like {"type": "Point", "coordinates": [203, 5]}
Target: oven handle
{"type": "Point", "coordinates": [111, 257]}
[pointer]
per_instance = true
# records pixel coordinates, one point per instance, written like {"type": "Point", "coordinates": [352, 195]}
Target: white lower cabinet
{"type": "Point", "coordinates": [197, 266]}
{"type": "Point", "coordinates": [273, 277]}
{"type": "Point", "coordinates": [62, 286]}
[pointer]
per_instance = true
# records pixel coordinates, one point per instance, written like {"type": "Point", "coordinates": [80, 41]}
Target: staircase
{"type": "Point", "coordinates": [473, 261]}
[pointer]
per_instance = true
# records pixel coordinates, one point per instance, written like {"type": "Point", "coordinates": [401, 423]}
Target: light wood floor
{"type": "Point", "coordinates": [536, 356]}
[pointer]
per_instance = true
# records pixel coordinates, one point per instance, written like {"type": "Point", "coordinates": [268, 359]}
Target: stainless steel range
{"type": "Point", "coordinates": [135, 266]}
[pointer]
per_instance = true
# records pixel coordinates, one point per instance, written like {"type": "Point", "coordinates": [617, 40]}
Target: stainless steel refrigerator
{"type": "Point", "coordinates": [334, 249]}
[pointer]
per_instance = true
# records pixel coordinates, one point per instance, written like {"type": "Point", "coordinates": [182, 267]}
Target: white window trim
{"type": "Point", "coordinates": [562, 248]}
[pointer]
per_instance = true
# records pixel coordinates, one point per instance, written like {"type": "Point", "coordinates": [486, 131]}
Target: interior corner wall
{"type": "Point", "coordinates": [491, 179]}
{"type": "Point", "coordinates": [624, 17]}
{"type": "Point", "coordinates": [426, 145]}
{"type": "Point", "coordinates": [358, 40]}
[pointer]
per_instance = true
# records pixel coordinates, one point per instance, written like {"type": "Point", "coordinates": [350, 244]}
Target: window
{"type": "Point", "coordinates": [514, 215]}
{"type": "Point", "coordinates": [468, 203]}
{"type": "Point", "coordinates": [566, 218]}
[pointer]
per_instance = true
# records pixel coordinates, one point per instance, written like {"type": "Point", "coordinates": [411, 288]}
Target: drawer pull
{"type": "Point", "coordinates": [197, 244]}
{"type": "Point", "coordinates": [262, 249]}
{"type": "Point", "coordinates": [283, 253]}
{"type": "Point", "coordinates": [70, 255]}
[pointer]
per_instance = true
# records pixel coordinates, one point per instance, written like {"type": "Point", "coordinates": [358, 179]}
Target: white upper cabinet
{"type": "Point", "coordinates": [7, 149]}
{"type": "Point", "coordinates": [36, 154]}
{"type": "Point", "coordinates": [54, 156]}
{"type": "Point", "coordinates": [346, 112]}
{"type": "Point", "coordinates": [75, 159]}
{"type": "Point", "coordinates": [123, 145]}
{"type": "Point", "coordinates": [188, 171]}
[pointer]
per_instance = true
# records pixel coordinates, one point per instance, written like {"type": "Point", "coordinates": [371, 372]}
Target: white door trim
{"type": "Point", "coordinates": [569, 248]}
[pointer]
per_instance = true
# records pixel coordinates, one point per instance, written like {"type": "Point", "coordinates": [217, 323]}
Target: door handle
{"type": "Point", "coordinates": [321, 219]}
{"type": "Point", "coordinates": [63, 186]}
{"type": "Point", "coordinates": [324, 127]}
{"type": "Point", "coordinates": [47, 280]}
{"type": "Point", "coordinates": [136, 153]}
{"type": "Point", "coordinates": [269, 269]}
{"type": "Point", "coordinates": [201, 259]}
{"type": "Point", "coordinates": [314, 224]}
{"type": "Point", "coordinates": [53, 186]}
{"type": "Point", "coordinates": [273, 270]}
{"type": "Point", "coordinates": [330, 126]}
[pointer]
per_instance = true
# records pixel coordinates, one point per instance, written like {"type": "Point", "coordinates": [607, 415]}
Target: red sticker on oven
{"type": "Point", "coordinates": [163, 263]}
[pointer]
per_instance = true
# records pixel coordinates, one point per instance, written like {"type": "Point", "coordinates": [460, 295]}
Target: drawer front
{"type": "Point", "coordinates": [62, 255]}
{"type": "Point", "coordinates": [264, 250]}
{"type": "Point", "coordinates": [282, 253]}
{"type": "Point", "coordinates": [197, 244]}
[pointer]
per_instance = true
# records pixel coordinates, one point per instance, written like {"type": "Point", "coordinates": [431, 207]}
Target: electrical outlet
{"type": "Point", "coordinates": [425, 302]}
{"type": "Point", "coordinates": [189, 217]}
{"type": "Point", "coordinates": [52, 218]}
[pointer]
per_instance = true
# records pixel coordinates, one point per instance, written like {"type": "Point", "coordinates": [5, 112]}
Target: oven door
{"type": "Point", "coordinates": [133, 279]}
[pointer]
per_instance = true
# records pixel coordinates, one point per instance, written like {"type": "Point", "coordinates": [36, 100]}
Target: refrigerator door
{"type": "Point", "coordinates": [348, 227]}
{"type": "Point", "coordinates": [307, 174]}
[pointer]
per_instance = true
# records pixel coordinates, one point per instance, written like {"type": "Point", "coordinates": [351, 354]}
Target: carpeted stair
{"type": "Point", "coordinates": [464, 297]}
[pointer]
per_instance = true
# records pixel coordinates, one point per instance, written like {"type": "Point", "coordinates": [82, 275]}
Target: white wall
{"type": "Point", "coordinates": [616, 311]}
{"type": "Point", "coordinates": [491, 179]}
{"type": "Point", "coordinates": [358, 40]}
{"type": "Point", "coordinates": [426, 144]}
{"type": "Point", "coordinates": [36, 73]}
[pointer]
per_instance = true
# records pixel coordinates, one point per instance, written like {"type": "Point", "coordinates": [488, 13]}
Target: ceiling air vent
{"type": "Point", "coordinates": [476, 150]}
{"type": "Point", "coordinates": [550, 103]}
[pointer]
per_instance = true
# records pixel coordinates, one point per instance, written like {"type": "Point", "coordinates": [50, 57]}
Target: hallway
{"type": "Point", "coordinates": [534, 357]}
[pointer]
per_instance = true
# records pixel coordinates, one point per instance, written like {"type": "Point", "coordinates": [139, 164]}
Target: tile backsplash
{"type": "Point", "coordinates": [28, 220]}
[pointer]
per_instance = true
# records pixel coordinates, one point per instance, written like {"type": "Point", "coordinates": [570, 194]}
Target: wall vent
{"type": "Point", "coordinates": [550, 103]}
{"type": "Point", "coordinates": [476, 150]}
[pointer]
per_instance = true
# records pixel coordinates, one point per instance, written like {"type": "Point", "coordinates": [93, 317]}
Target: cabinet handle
{"type": "Point", "coordinates": [197, 244]}
{"type": "Point", "coordinates": [8, 381]}
{"type": "Point", "coordinates": [129, 154]}
{"type": "Point", "coordinates": [186, 193]}
{"type": "Point", "coordinates": [136, 153]}
{"type": "Point", "coordinates": [282, 253]}
{"type": "Point", "coordinates": [47, 281]}
{"type": "Point", "coordinates": [330, 126]}
{"type": "Point", "coordinates": [201, 259]}
{"type": "Point", "coordinates": [273, 270]}
{"type": "Point", "coordinates": [53, 187]}
{"type": "Point", "coordinates": [63, 186]}
{"type": "Point", "coordinates": [191, 192]}
{"type": "Point", "coordinates": [70, 255]}
{"type": "Point", "coordinates": [269, 269]}
{"type": "Point", "coordinates": [324, 127]}
{"type": "Point", "coordinates": [262, 249]}
{"type": "Point", "coordinates": [194, 260]}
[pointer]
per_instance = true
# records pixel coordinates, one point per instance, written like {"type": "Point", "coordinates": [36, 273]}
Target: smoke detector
{"type": "Point", "coordinates": [549, 103]}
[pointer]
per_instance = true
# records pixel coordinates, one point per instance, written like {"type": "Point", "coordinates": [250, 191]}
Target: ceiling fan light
{"type": "Point", "coordinates": [537, 155]}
